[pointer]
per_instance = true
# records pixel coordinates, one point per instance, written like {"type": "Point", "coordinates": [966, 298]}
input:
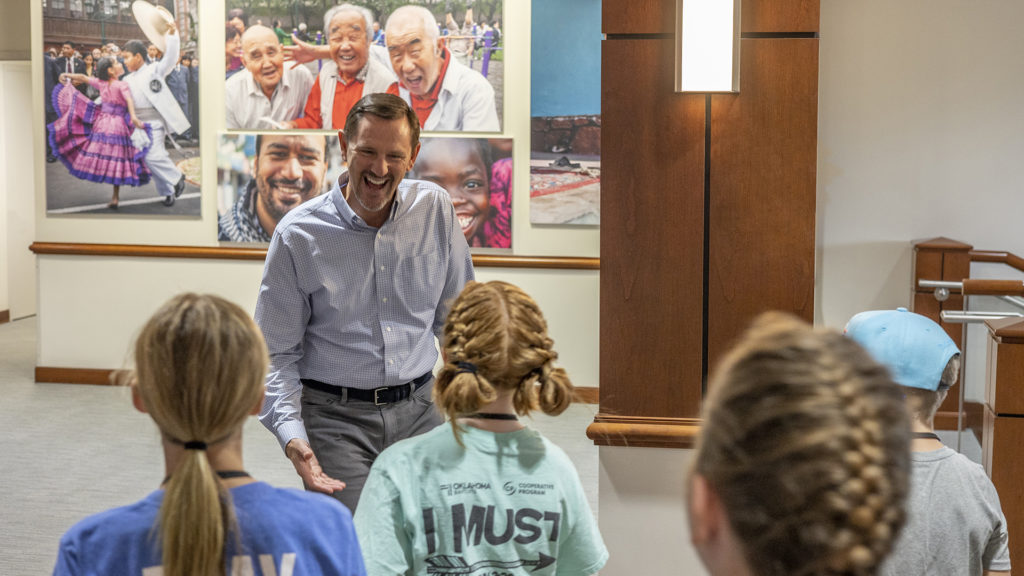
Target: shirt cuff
{"type": "Point", "coordinates": [291, 430]}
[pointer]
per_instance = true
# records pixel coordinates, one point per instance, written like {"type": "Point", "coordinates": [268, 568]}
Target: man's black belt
{"type": "Point", "coordinates": [379, 396]}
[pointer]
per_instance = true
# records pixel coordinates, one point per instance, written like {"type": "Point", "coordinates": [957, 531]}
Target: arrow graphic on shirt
{"type": "Point", "coordinates": [458, 565]}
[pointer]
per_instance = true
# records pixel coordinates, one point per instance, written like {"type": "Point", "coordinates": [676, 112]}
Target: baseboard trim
{"type": "Point", "coordinates": [51, 374]}
{"type": "Point", "coordinates": [588, 395]}
{"type": "Point", "coordinates": [54, 375]}
{"type": "Point", "coordinates": [5, 316]}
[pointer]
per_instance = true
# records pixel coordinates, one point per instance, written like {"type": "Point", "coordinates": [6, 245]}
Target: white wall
{"type": "Point", "coordinates": [17, 208]}
{"type": "Point", "coordinates": [17, 275]}
{"type": "Point", "coordinates": [642, 512]}
{"type": "Point", "coordinates": [920, 134]}
{"type": "Point", "coordinates": [5, 89]}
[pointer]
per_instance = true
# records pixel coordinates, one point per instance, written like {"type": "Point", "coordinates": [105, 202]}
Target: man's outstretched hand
{"type": "Point", "coordinates": [302, 52]}
{"type": "Point", "coordinates": [308, 468]}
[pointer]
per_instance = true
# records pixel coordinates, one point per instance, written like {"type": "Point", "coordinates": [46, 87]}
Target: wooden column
{"type": "Point", "coordinates": [1004, 424]}
{"type": "Point", "coordinates": [708, 205]}
{"type": "Point", "coordinates": [948, 260]}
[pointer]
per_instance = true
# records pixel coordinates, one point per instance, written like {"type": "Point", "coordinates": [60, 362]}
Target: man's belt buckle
{"type": "Point", "coordinates": [376, 396]}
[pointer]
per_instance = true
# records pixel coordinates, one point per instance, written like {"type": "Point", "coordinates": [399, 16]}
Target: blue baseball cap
{"type": "Point", "coordinates": [914, 348]}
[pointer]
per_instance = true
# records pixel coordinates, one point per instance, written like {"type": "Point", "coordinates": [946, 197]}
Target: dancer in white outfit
{"type": "Point", "coordinates": [155, 104]}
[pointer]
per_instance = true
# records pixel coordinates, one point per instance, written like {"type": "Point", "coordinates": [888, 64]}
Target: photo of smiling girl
{"type": "Point", "coordinates": [477, 173]}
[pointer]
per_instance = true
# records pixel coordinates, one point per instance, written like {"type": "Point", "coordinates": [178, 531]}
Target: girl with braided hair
{"type": "Point", "coordinates": [489, 495]}
{"type": "Point", "coordinates": [802, 464]}
{"type": "Point", "coordinates": [200, 369]}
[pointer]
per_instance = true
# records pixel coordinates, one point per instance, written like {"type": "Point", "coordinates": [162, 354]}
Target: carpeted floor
{"type": "Point", "coordinates": [67, 451]}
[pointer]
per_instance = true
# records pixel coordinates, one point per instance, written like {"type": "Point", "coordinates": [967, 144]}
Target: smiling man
{"type": "Point", "coordinates": [356, 286]}
{"type": "Point", "coordinates": [350, 73]}
{"type": "Point", "coordinates": [445, 94]}
{"type": "Point", "coordinates": [266, 91]}
{"type": "Point", "coordinates": [287, 171]}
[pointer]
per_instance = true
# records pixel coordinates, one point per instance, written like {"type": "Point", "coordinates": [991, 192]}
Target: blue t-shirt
{"type": "Point", "coordinates": [283, 531]}
{"type": "Point", "coordinates": [503, 504]}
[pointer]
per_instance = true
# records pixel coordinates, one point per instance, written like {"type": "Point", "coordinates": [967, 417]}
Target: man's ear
{"type": "Point", "coordinates": [412, 158]}
{"type": "Point", "coordinates": [137, 400]}
{"type": "Point", "coordinates": [706, 513]}
{"type": "Point", "coordinates": [344, 146]}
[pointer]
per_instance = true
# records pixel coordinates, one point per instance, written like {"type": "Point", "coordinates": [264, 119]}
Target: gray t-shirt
{"type": "Point", "coordinates": [955, 525]}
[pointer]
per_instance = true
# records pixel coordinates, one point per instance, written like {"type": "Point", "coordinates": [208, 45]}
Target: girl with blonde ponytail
{"type": "Point", "coordinates": [802, 464]}
{"type": "Point", "coordinates": [200, 369]}
{"type": "Point", "coordinates": [490, 495]}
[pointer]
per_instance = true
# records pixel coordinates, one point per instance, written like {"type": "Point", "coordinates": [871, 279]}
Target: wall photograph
{"type": "Point", "coordinates": [261, 177]}
{"type": "Point", "coordinates": [303, 65]}
{"type": "Point", "coordinates": [121, 89]}
{"type": "Point", "coordinates": [565, 110]}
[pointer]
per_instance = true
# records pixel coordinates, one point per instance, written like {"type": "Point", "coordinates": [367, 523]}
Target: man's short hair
{"type": "Point", "coordinates": [136, 47]}
{"type": "Point", "coordinates": [68, 43]}
{"type": "Point", "coordinates": [364, 12]}
{"type": "Point", "coordinates": [382, 105]}
{"type": "Point", "coordinates": [259, 143]}
{"type": "Point", "coordinates": [923, 404]}
{"type": "Point", "coordinates": [425, 17]}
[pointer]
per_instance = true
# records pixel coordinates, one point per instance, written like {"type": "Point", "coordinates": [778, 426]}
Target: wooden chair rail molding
{"type": "Point", "coordinates": [608, 430]}
{"type": "Point", "coordinates": [1011, 260]}
{"type": "Point", "coordinates": [237, 253]}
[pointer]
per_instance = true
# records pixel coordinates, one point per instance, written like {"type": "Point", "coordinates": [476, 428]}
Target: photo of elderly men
{"type": "Point", "coordinates": [303, 65]}
{"type": "Point", "coordinates": [264, 176]}
{"type": "Point", "coordinates": [121, 132]}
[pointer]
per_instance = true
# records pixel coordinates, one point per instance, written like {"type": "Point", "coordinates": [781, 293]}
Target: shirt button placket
{"type": "Point", "coordinates": [384, 257]}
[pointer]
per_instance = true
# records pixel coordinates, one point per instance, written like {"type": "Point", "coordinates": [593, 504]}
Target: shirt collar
{"type": "Point", "coordinates": [348, 215]}
{"type": "Point", "coordinates": [360, 76]}
{"type": "Point", "coordinates": [254, 88]}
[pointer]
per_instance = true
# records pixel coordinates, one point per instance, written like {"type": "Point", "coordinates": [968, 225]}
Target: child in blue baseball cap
{"type": "Point", "coordinates": [955, 525]}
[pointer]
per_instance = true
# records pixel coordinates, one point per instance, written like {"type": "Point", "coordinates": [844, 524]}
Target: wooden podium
{"type": "Point", "coordinates": [1004, 424]}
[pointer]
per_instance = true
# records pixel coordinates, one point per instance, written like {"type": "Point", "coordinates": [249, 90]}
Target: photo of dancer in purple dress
{"type": "Point", "coordinates": [94, 140]}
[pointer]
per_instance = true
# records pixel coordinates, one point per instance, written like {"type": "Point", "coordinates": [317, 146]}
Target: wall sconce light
{"type": "Point", "coordinates": [708, 45]}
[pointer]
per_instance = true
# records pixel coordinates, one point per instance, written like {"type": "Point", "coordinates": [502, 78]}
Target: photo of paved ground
{"type": "Point", "coordinates": [66, 194]}
{"type": "Point", "coordinates": [564, 189]}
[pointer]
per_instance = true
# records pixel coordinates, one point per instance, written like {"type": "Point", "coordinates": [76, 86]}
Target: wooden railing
{"type": "Point", "coordinates": [950, 261]}
{"type": "Point", "coordinates": [996, 256]}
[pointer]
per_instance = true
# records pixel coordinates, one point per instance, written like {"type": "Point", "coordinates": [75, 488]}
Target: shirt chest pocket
{"type": "Point", "coordinates": [420, 280]}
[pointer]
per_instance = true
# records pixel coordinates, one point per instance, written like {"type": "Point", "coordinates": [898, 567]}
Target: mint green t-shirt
{"type": "Point", "coordinates": [506, 504]}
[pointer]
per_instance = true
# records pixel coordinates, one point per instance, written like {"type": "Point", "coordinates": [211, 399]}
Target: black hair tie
{"type": "Point", "coordinates": [465, 368]}
{"type": "Point", "coordinates": [195, 445]}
